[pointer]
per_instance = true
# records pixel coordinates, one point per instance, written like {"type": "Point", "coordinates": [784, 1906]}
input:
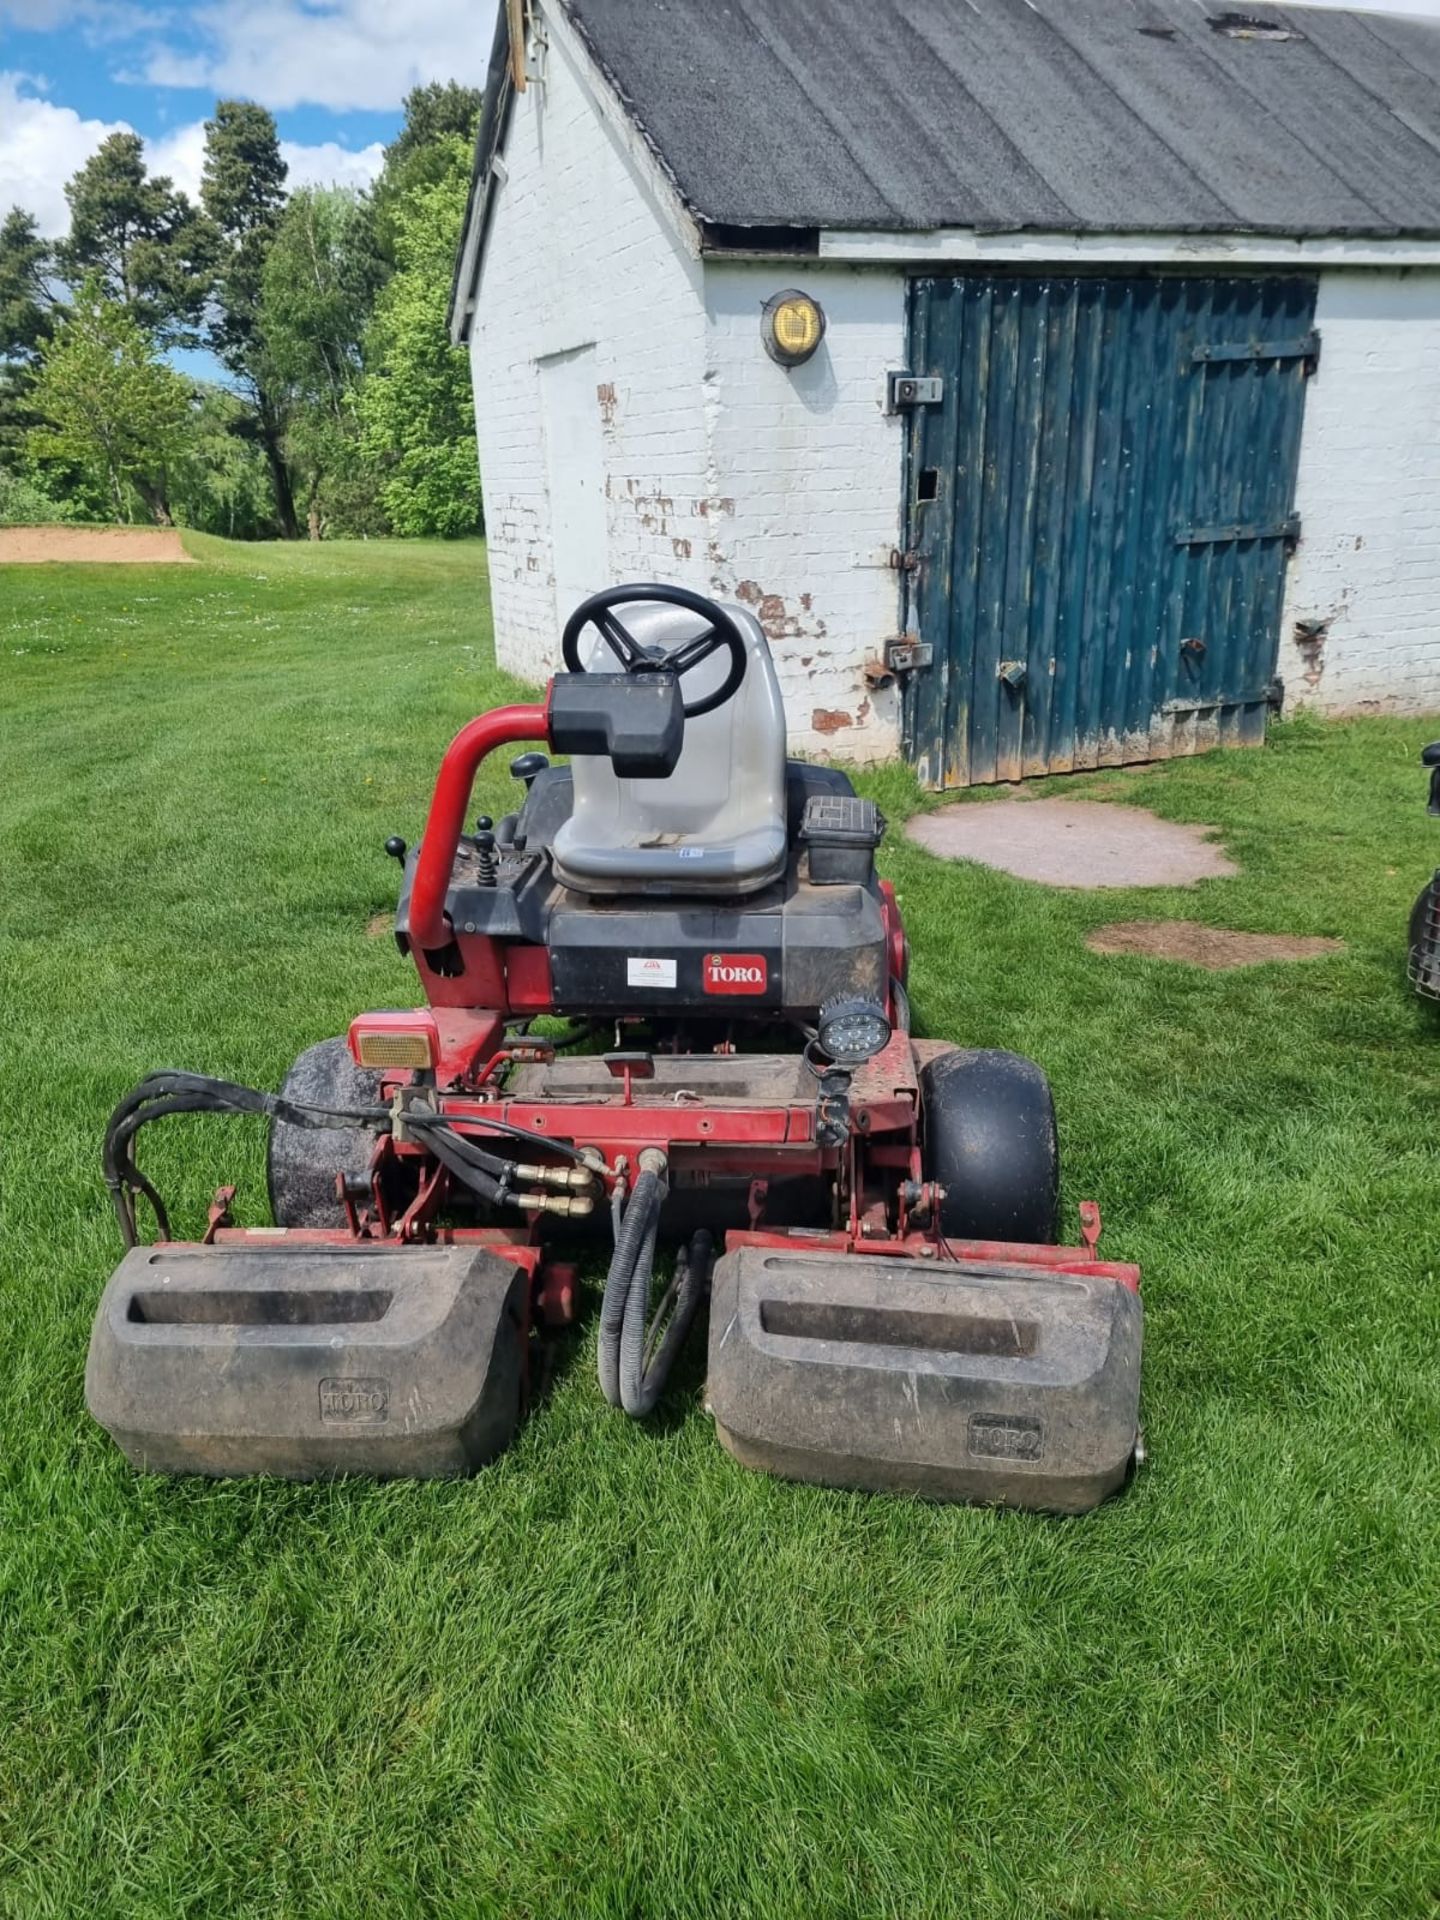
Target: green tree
{"type": "Point", "coordinates": [149, 248]}
{"type": "Point", "coordinates": [25, 304]}
{"type": "Point", "coordinates": [221, 481]}
{"type": "Point", "coordinates": [436, 112]}
{"type": "Point", "coordinates": [421, 154]}
{"type": "Point", "coordinates": [320, 280]}
{"type": "Point", "coordinates": [416, 410]}
{"type": "Point", "coordinates": [26, 321]}
{"type": "Point", "coordinates": [109, 405]}
{"type": "Point", "coordinates": [243, 194]}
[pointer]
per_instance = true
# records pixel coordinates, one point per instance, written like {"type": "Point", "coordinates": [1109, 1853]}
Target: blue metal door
{"type": "Point", "coordinates": [1100, 505]}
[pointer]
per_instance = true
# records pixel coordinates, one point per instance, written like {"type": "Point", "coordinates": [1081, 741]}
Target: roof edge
{"type": "Point", "coordinates": [633, 117]}
{"type": "Point", "coordinates": [494, 116]}
{"type": "Point", "coordinates": [608, 102]}
{"type": "Point", "coordinates": [959, 247]}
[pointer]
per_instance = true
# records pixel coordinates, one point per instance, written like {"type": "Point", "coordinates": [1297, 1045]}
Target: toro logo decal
{"type": "Point", "coordinates": [360, 1403]}
{"type": "Point", "coordinates": [734, 973]}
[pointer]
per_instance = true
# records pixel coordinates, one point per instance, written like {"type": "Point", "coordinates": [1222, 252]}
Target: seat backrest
{"type": "Point", "coordinates": [717, 823]}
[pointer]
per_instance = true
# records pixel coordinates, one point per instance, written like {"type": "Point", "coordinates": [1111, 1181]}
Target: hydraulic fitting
{"type": "Point", "coordinates": [579, 1177]}
{"type": "Point", "coordinates": [574, 1206]}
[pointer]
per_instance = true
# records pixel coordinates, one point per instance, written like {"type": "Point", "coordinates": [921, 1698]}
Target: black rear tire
{"type": "Point", "coordinates": [1423, 969]}
{"type": "Point", "coordinates": [1420, 916]}
{"type": "Point", "coordinates": [302, 1163]}
{"type": "Point", "coordinates": [988, 1138]}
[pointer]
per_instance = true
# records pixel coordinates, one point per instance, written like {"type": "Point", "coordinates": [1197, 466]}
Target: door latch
{"type": "Point", "coordinates": [904, 390]}
{"type": "Point", "coordinates": [907, 652]}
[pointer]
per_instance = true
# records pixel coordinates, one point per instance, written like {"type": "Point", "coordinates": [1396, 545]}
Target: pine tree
{"type": "Point", "coordinates": [148, 247]}
{"type": "Point", "coordinates": [26, 322]}
{"type": "Point", "coordinates": [243, 194]}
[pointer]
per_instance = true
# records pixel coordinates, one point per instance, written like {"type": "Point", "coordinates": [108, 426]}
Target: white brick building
{"type": "Point", "coordinates": [1176, 273]}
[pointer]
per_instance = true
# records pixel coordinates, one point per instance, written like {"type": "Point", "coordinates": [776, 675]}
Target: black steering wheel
{"type": "Point", "coordinates": [634, 658]}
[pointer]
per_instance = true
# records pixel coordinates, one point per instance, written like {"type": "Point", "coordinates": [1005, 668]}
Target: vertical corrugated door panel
{"type": "Point", "coordinates": [1099, 512]}
{"type": "Point", "coordinates": [1054, 453]}
{"type": "Point", "coordinates": [1072, 555]}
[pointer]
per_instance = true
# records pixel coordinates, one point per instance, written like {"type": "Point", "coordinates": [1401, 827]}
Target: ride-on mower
{"type": "Point", "coordinates": [1423, 962]}
{"type": "Point", "coordinates": [888, 1308]}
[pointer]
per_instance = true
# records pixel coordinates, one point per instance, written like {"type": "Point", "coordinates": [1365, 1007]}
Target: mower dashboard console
{"type": "Point", "coordinates": [634, 720]}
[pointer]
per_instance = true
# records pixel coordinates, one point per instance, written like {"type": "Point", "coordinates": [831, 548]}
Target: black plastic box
{"type": "Point", "coordinates": [840, 833]}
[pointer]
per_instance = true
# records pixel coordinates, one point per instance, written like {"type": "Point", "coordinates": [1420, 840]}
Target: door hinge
{"type": "Point", "coordinates": [1305, 346]}
{"type": "Point", "coordinates": [907, 652]}
{"type": "Point", "coordinates": [1254, 697]}
{"type": "Point", "coordinates": [913, 390]}
{"type": "Point", "coordinates": [1287, 529]}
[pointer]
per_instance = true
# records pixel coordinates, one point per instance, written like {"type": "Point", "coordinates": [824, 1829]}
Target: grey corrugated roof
{"type": "Point", "coordinates": [1058, 115]}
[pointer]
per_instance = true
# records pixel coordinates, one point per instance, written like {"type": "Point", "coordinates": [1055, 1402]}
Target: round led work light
{"type": "Point", "coordinates": [853, 1029]}
{"type": "Point", "coordinates": [792, 325]}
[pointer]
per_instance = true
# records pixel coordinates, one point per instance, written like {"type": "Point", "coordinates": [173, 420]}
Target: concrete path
{"type": "Point", "coordinates": [1073, 843]}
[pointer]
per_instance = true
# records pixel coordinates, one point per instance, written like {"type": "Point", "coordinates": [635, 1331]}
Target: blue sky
{"type": "Point", "coordinates": [332, 71]}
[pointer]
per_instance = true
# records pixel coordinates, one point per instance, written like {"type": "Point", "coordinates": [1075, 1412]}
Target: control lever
{"type": "Point", "coordinates": [525, 766]}
{"type": "Point", "coordinates": [486, 865]}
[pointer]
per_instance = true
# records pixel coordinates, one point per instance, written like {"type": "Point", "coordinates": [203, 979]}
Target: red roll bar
{"type": "Point", "coordinates": [503, 727]}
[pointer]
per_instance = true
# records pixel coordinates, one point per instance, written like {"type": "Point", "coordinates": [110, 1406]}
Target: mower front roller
{"type": "Point", "coordinates": [1002, 1383]}
{"type": "Point", "coordinates": [306, 1360]}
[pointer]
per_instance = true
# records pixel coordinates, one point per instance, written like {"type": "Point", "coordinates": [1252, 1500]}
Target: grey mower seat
{"type": "Point", "coordinates": [716, 825]}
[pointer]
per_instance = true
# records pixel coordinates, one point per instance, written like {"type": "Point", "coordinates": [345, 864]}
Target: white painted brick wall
{"type": "Point", "coordinates": [579, 256]}
{"type": "Point", "coordinates": [727, 473]}
{"type": "Point", "coordinates": [723, 472]}
{"type": "Point", "coordinates": [1367, 568]}
{"type": "Point", "coordinates": [808, 467]}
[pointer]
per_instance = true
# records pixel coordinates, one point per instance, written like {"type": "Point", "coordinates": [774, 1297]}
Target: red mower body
{"type": "Point", "coordinates": [896, 1314]}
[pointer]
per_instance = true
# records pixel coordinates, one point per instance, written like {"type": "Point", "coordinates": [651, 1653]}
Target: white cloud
{"type": "Point", "coordinates": [36, 16]}
{"type": "Point", "coordinates": [344, 54]}
{"type": "Point", "coordinates": [328, 164]}
{"type": "Point", "coordinates": [41, 145]}
{"type": "Point", "coordinates": [181, 155]}
{"type": "Point", "coordinates": [101, 21]}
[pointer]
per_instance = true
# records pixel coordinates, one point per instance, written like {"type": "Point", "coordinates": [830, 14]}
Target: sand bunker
{"type": "Point", "coordinates": [34, 546]}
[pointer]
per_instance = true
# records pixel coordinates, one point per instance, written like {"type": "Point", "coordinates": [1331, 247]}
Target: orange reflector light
{"type": "Point", "coordinates": [394, 1040]}
{"type": "Point", "coordinates": [393, 1050]}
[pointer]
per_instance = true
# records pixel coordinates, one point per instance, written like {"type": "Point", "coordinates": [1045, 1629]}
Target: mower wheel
{"type": "Point", "coordinates": [1420, 914]}
{"type": "Point", "coordinates": [1423, 961]}
{"type": "Point", "coordinates": [302, 1163]}
{"type": "Point", "coordinates": [988, 1138]}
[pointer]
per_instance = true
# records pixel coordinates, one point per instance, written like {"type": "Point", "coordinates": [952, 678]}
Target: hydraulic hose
{"type": "Point", "coordinates": [639, 1222]}
{"type": "Point", "coordinates": [638, 1350]}
{"type": "Point", "coordinates": [490, 1176]}
{"type": "Point", "coordinates": [166, 1093]}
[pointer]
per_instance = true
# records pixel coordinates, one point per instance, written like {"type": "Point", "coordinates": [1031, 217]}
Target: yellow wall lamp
{"type": "Point", "coordinates": [792, 325]}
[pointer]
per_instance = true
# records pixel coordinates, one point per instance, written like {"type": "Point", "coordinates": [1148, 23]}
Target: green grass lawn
{"type": "Point", "coordinates": [617, 1675]}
